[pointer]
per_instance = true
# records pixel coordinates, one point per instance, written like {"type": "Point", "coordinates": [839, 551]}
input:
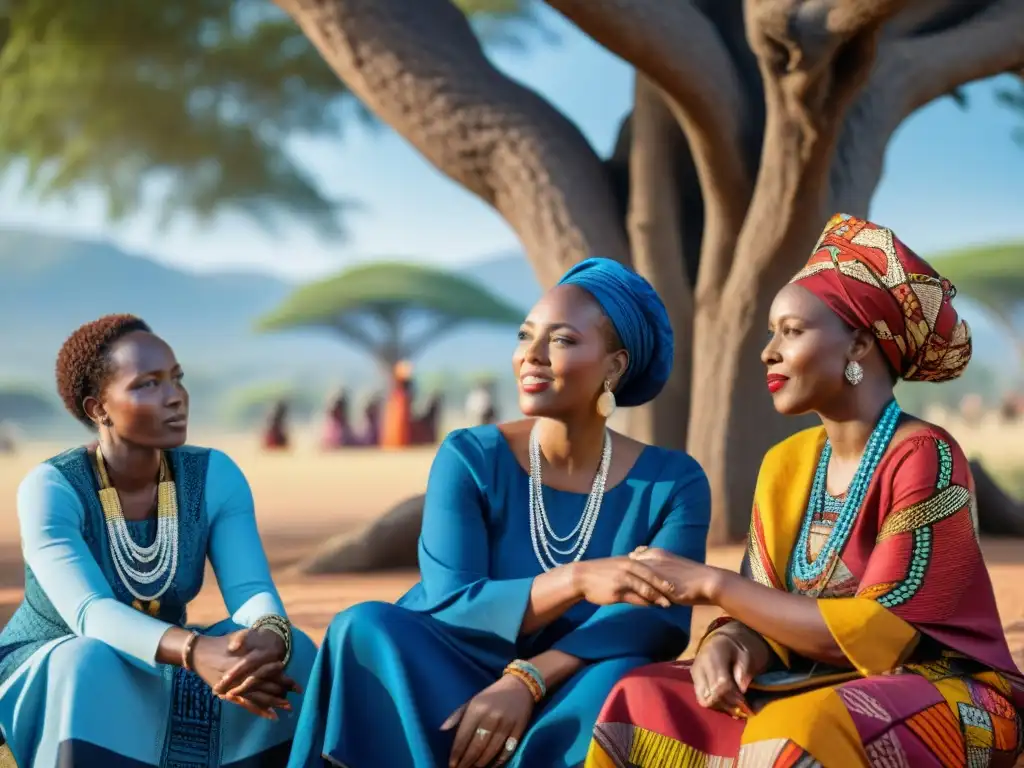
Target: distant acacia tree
{"type": "Point", "coordinates": [993, 277]}
{"type": "Point", "coordinates": [390, 310]}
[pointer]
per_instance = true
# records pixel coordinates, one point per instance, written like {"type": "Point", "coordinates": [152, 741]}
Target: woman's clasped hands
{"type": "Point", "coordinates": [610, 580]}
{"type": "Point", "coordinates": [246, 668]}
{"type": "Point", "coordinates": [690, 582]}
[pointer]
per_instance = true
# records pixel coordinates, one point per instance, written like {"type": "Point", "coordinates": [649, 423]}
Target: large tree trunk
{"type": "Point", "coordinates": [655, 223]}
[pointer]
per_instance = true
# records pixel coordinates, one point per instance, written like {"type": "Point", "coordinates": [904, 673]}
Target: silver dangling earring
{"type": "Point", "coordinates": [854, 372]}
{"type": "Point", "coordinates": [606, 401]}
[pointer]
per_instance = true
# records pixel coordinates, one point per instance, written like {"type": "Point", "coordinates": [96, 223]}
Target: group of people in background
{"type": "Point", "coordinates": [391, 423]}
{"type": "Point", "coordinates": [559, 562]}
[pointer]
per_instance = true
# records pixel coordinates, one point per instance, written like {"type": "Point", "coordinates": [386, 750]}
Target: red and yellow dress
{"type": "Point", "coordinates": [930, 681]}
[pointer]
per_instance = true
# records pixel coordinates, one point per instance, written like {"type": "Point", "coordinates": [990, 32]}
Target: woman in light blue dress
{"type": "Point", "coordinates": [98, 666]}
{"type": "Point", "coordinates": [529, 608]}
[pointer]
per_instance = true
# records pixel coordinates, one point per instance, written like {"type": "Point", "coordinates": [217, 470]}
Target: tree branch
{"type": "Point", "coordinates": [419, 67]}
{"type": "Point", "coordinates": [678, 49]}
{"type": "Point", "coordinates": [815, 58]}
{"type": "Point", "coordinates": [944, 45]}
{"type": "Point", "coordinates": [989, 43]}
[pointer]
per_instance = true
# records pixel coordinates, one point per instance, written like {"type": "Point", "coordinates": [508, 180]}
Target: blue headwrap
{"type": "Point", "coordinates": [640, 319]}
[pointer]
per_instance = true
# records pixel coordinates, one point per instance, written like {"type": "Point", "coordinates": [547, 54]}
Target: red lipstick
{"type": "Point", "coordinates": [776, 382]}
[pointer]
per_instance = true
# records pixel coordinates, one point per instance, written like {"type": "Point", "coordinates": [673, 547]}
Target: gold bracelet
{"type": "Point", "coordinates": [186, 651]}
{"type": "Point", "coordinates": [281, 627]}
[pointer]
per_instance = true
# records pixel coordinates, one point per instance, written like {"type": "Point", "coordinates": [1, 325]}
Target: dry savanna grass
{"type": "Point", "coordinates": [304, 496]}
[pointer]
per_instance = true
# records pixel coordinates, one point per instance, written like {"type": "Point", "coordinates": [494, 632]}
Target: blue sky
{"type": "Point", "coordinates": [952, 178]}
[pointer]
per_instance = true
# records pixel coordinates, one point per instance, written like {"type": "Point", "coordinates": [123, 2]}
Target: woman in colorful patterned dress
{"type": "Point", "coordinates": [529, 608]}
{"type": "Point", "coordinates": [97, 665]}
{"type": "Point", "coordinates": [865, 631]}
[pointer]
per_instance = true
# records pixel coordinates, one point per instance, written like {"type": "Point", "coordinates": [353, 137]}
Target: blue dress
{"type": "Point", "coordinates": [387, 676]}
{"type": "Point", "coordinates": [79, 681]}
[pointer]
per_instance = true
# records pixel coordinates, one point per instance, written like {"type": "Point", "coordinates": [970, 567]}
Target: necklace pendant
{"type": "Point", "coordinates": [150, 607]}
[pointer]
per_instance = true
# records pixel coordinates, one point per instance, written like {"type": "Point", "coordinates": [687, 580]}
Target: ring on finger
{"type": "Point", "coordinates": [483, 733]}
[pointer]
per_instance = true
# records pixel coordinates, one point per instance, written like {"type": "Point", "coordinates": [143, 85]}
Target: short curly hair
{"type": "Point", "coordinates": [83, 362]}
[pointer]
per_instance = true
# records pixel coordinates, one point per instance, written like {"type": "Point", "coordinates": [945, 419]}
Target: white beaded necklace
{"type": "Point", "coordinates": [540, 524]}
{"type": "Point", "coordinates": [126, 553]}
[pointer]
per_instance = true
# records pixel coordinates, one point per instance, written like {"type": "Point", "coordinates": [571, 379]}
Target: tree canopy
{"type": "Point", "coordinates": [992, 276]}
{"type": "Point", "coordinates": [189, 107]}
{"type": "Point", "coordinates": [390, 309]}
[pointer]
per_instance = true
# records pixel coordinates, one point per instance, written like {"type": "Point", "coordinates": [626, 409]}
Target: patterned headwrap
{"type": "Point", "coordinates": [872, 280]}
{"type": "Point", "coordinates": [640, 319]}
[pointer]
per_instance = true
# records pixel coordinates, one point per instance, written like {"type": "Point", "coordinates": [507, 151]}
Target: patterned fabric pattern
{"type": "Point", "coordinates": [930, 716]}
{"type": "Point", "coordinates": [868, 277]}
{"type": "Point", "coordinates": [914, 550]}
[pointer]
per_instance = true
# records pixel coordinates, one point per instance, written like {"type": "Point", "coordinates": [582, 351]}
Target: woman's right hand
{"type": "Point", "coordinates": [213, 658]}
{"type": "Point", "coordinates": [610, 580]}
{"type": "Point", "coordinates": [724, 667]}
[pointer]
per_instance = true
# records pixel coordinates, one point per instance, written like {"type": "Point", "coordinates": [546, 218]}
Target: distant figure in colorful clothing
{"type": "Point", "coordinates": [275, 435]}
{"type": "Point", "coordinates": [370, 433]}
{"type": "Point", "coordinates": [397, 429]}
{"type": "Point", "coordinates": [529, 608]}
{"type": "Point", "coordinates": [426, 424]}
{"type": "Point", "coordinates": [863, 630]}
{"type": "Point", "coordinates": [97, 665]}
{"type": "Point", "coordinates": [337, 427]}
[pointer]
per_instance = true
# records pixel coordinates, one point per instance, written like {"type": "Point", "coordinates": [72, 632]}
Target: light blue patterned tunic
{"type": "Point", "coordinates": [79, 681]}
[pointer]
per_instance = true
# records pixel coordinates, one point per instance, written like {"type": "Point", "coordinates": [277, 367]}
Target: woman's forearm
{"type": "Point", "coordinates": [556, 667]}
{"type": "Point", "coordinates": [552, 594]}
{"type": "Point", "coordinates": [172, 646]}
{"type": "Point", "coordinates": [793, 621]}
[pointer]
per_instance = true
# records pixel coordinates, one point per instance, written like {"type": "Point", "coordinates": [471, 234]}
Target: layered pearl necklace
{"type": "Point", "coordinates": [127, 555]}
{"type": "Point", "coordinates": [541, 532]}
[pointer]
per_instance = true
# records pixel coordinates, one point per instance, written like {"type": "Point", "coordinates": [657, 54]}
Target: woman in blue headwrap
{"type": "Point", "coordinates": [529, 608]}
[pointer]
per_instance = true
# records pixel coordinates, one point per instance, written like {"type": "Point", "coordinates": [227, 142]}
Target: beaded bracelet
{"type": "Point", "coordinates": [186, 651]}
{"type": "Point", "coordinates": [281, 627]}
{"type": "Point", "coordinates": [530, 676]}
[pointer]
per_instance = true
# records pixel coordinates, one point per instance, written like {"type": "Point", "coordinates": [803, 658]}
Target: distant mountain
{"type": "Point", "coordinates": [49, 285]}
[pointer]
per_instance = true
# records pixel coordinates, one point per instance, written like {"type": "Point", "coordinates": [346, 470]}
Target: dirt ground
{"type": "Point", "coordinates": [304, 497]}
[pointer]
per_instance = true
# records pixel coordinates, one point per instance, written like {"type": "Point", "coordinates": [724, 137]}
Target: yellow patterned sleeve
{"type": "Point", "coordinates": [873, 638]}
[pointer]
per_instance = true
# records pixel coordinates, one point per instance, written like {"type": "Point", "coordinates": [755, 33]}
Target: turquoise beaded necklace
{"type": "Point", "coordinates": [801, 567]}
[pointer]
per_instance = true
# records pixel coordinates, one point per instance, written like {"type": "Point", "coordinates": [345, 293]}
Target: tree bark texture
{"type": "Point", "coordinates": [780, 109]}
{"type": "Point", "coordinates": [655, 228]}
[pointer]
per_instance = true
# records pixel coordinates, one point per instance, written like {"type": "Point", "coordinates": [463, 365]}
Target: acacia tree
{"type": "Point", "coordinates": [753, 122]}
{"type": "Point", "coordinates": [994, 277]}
{"type": "Point", "coordinates": [391, 311]}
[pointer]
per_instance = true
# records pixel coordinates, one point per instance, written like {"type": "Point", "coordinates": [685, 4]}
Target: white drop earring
{"type": "Point", "coordinates": [854, 372]}
{"type": "Point", "coordinates": [606, 401]}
